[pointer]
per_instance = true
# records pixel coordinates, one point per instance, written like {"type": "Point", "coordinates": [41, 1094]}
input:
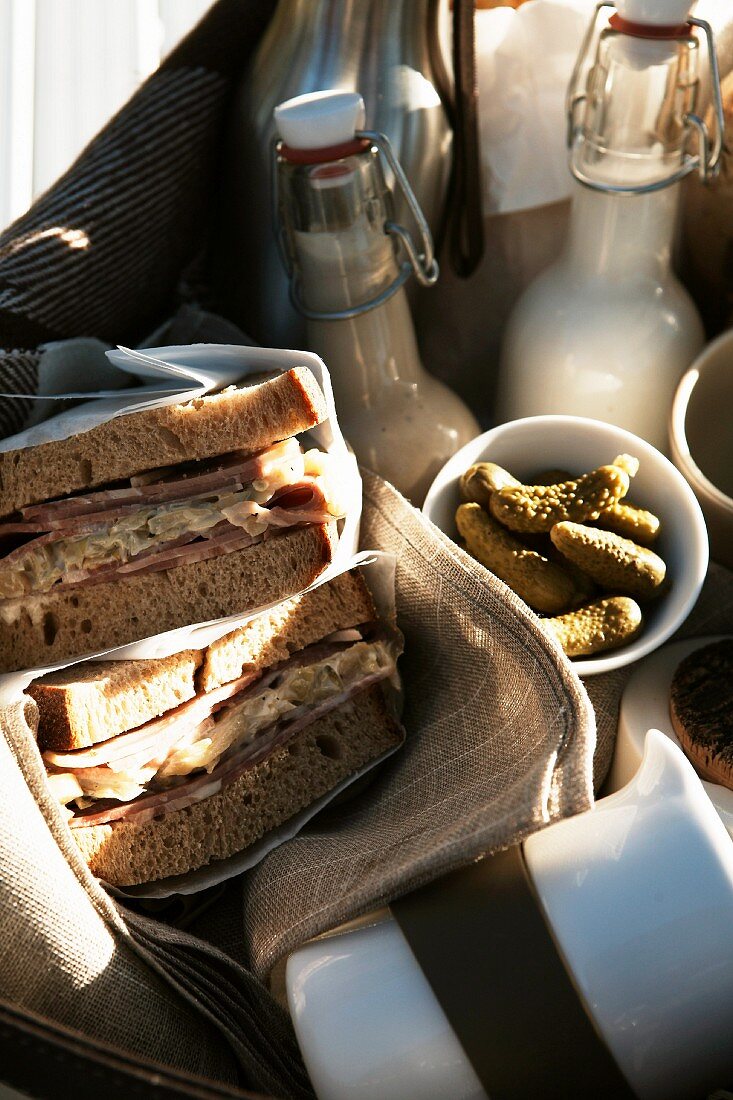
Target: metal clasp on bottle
{"type": "Point", "coordinates": [706, 162]}
{"type": "Point", "coordinates": [420, 263]}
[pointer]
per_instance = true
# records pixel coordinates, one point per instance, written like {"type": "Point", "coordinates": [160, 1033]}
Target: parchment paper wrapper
{"type": "Point", "coordinates": [378, 570]}
{"type": "Point", "coordinates": [190, 371]}
{"type": "Point", "coordinates": [167, 375]}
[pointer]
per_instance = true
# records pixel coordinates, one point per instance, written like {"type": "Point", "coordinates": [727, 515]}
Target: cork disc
{"type": "Point", "coordinates": [701, 709]}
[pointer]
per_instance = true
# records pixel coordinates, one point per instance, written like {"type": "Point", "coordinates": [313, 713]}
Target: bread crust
{"type": "Point", "coordinates": [312, 763]}
{"type": "Point", "coordinates": [344, 602]}
{"type": "Point", "coordinates": [707, 764]}
{"type": "Point", "coordinates": [247, 418]}
{"type": "Point", "coordinates": [61, 626]}
{"type": "Point", "coordinates": [88, 703]}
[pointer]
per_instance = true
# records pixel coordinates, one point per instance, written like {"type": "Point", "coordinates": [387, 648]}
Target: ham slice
{"type": "Point", "coordinates": [143, 744]}
{"type": "Point", "coordinates": [149, 806]}
{"type": "Point", "coordinates": [225, 543]}
{"type": "Point", "coordinates": [42, 540]}
{"type": "Point", "coordinates": [307, 506]}
{"type": "Point", "coordinates": [151, 754]}
{"type": "Point", "coordinates": [21, 528]}
{"type": "Point", "coordinates": [104, 518]}
{"type": "Point", "coordinates": [304, 502]}
{"type": "Point", "coordinates": [227, 473]}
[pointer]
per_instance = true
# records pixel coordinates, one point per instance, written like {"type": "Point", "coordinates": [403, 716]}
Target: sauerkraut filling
{"type": "Point", "coordinates": [136, 767]}
{"type": "Point", "coordinates": [138, 527]}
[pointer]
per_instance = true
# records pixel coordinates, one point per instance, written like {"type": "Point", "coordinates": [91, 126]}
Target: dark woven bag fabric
{"type": "Point", "coordinates": [104, 251]}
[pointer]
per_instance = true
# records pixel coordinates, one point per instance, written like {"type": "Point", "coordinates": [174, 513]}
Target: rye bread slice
{"type": "Point", "coordinates": [268, 409]}
{"type": "Point", "coordinates": [342, 603]}
{"type": "Point", "coordinates": [84, 704]}
{"type": "Point", "coordinates": [90, 702]}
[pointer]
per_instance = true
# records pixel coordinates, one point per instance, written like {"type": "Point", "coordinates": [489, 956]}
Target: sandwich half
{"type": "Point", "coordinates": [164, 766]}
{"type": "Point", "coordinates": [162, 518]}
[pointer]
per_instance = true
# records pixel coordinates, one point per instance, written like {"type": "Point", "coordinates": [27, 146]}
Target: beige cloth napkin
{"type": "Point", "coordinates": [68, 953]}
{"type": "Point", "coordinates": [501, 737]}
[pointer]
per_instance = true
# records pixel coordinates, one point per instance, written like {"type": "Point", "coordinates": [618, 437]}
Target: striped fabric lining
{"type": "Point", "coordinates": [116, 229]}
{"type": "Point", "coordinates": [117, 244]}
{"type": "Point", "coordinates": [120, 218]}
{"type": "Point", "coordinates": [18, 374]}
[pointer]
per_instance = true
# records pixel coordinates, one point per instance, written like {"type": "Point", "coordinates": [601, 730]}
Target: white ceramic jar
{"type": "Point", "coordinates": [638, 895]}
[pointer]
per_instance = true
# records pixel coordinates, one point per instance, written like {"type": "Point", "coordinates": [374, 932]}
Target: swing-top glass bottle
{"type": "Point", "coordinates": [608, 329]}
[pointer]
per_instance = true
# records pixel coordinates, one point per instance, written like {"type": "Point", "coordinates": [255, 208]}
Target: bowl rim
{"type": "Point", "coordinates": [699, 550]}
{"type": "Point", "coordinates": [679, 443]}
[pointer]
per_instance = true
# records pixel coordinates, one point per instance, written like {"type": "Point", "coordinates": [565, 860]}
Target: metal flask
{"type": "Point", "coordinates": [391, 51]}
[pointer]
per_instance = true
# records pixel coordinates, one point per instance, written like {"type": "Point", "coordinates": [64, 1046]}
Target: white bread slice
{"type": "Point", "coordinates": [343, 602]}
{"type": "Point", "coordinates": [83, 704]}
{"type": "Point", "coordinates": [95, 700]}
{"type": "Point", "coordinates": [60, 626]}
{"type": "Point", "coordinates": [268, 409]}
{"type": "Point", "coordinates": [296, 774]}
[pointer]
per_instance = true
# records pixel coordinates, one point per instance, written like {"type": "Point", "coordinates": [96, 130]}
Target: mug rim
{"type": "Point", "coordinates": [679, 442]}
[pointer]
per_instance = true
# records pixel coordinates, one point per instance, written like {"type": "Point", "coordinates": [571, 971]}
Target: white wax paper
{"type": "Point", "coordinates": [182, 372]}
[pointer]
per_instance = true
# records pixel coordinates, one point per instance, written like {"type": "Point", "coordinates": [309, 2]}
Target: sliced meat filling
{"type": "Point", "coordinates": [170, 517]}
{"type": "Point", "coordinates": [214, 737]}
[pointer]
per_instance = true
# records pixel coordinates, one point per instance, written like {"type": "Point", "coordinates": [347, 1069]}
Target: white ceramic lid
{"type": "Point", "coordinates": [655, 13]}
{"type": "Point", "coordinates": [639, 895]}
{"type": "Point", "coordinates": [318, 120]}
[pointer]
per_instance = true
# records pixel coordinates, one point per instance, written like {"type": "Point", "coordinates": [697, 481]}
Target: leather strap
{"type": "Point", "coordinates": [44, 1059]}
{"type": "Point", "coordinates": [466, 233]}
{"type": "Point", "coordinates": [484, 946]}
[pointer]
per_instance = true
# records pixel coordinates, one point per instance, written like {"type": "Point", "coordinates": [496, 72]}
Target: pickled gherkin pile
{"type": "Point", "coordinates": [573, 548]}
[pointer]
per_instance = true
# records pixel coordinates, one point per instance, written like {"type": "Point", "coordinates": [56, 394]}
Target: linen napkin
{"type": "Point", "coordinates": [500, 742]}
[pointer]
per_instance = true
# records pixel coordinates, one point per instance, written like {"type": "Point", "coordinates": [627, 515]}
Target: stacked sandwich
{"type": "Point", "coordinates": [162, 519]}
{"type": "Point", "coordinates": [165, 765]}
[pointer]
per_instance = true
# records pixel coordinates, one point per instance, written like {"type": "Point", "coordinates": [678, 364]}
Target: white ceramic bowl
{"type": "Point", "coordinates": [574, 443]}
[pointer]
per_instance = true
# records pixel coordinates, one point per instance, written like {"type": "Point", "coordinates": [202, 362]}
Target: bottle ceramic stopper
{"type": "Point", "coordinates": [320, 120]}
{"type": "Point", "coordinates": [655, 13]}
